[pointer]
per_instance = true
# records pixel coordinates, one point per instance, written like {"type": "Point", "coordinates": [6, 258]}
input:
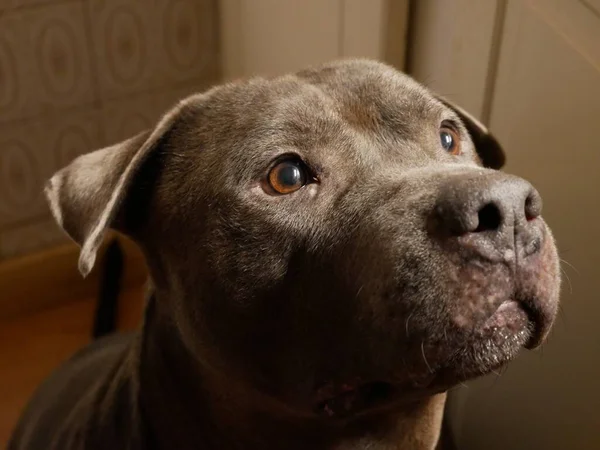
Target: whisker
{"type": "Point", "coordinates": [424, 357]}
{"type": "Point", "coordinates": [498, 376]}
{"type": "Point", "coordinates": [570, 265]}
{"type": "Point", "coordinates": [562, 315]}
{"type": "Point", "coordinates": [495, 382]}
{"type": "Point", "coordinates": [359, 290]}
{"type": "Point", "coordinates": [460, 385]}
{"type": "Point", "coordinates": [568, 280]}
{"type": "Point", "coordinates": [406, 324]}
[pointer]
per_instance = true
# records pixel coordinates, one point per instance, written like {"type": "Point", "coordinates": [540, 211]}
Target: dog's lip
{"type": "Point", "coordinates": [515, 315]}
{"type": "Point", "coordinates": [508, 312]}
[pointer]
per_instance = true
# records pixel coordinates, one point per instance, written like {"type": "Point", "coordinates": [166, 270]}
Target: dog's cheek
{"type": "Point", "coordinates": [249, 266]}
{"type": "Point", "coordinates": [396, 286]}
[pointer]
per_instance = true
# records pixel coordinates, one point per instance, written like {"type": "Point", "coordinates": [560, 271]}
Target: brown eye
{"type": "Point", "coordinates": [450, 140]}
{"type": "Point", "coordinates": [287, 177]}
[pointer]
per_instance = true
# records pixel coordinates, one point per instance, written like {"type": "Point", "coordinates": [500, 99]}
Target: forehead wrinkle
{"type": "Point", "coordinates": [306, 118]}
{"type": "Point", "coordinates": [353, 145]}
{"type": "Point", "coordinates": [313, 118]}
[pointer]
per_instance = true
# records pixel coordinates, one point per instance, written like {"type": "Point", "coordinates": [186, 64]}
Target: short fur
{"type": "Point", "coordinates": [332, 318]}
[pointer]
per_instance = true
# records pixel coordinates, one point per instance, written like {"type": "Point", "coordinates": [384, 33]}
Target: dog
{"type": "Point", "coordinates": [330, 251]}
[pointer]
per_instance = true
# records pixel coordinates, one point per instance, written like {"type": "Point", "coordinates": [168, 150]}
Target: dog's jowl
{"type": "Point", "coordinates": [329, 252]}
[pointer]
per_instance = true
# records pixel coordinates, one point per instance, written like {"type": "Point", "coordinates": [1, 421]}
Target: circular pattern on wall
{"type": "Point", "coordinates": [186, 40]}
{"type": "Point", "coordinates": [57, 57]}
{"type": "Point", "coordinates": [125, 46]}
{"type": "Point", "coordinates": [8, 77]}
{"type": "Point", "coordinates": [133, 124]}
{"type": "Point", "coordinates": [71, 143]}
{"type": "Point", "coordinates": [18, 176]}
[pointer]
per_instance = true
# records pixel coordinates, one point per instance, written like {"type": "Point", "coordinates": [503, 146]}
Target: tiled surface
{"type": "Point", "coordinates": [124, 117]}
{"type": "Point", "coordinates": [61, 71]}
{"type": "Point", "coordinates": [31, 151]}
{"type": "Point", "coordinates": [17, 96]}
{"type": "Point", "coordinates": [45, 64]}
{"type": "Point", "coordinates": [25, 162]}
{"type": "Point", "coordinates": [125, 40]}
{"type": "Point", "coordinates": [77, 75]}
{"type": "Point", "coordinates": [183, 49]}
{"type": "Point", "coordinates": [9, 5]}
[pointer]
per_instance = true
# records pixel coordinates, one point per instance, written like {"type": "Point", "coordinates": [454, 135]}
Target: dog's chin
{"type": "Point", "coordinates": [490, 347]}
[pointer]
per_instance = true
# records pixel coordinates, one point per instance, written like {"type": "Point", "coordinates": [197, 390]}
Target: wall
{"type": "Point", "coordinates": [77, 75]}
{"type": "Point", "coordinates": [276, 36]}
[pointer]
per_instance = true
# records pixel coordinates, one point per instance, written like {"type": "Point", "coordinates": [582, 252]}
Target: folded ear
{"type": "Point", "coordinates": [87, 196]}
{"type": "Point", "coordinates": [488, 148]}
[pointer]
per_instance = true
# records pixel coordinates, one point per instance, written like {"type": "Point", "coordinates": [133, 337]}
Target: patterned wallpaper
{"type": "Point", "coordinates": [76, 75]}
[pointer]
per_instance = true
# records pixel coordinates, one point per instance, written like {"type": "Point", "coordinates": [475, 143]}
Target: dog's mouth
{"type": "Point", "coordinates": [508, 328]}
{"type": "Point", "coordinates": [513, 326]}
{"type": "Point", "coordinates": [510, 315]}
{"type": "Point", "coordinates": [492, 344]}
{"type": "Point", "coordinates": [513, 317]}
{"type": "Point", "coordinates": [352, 399]}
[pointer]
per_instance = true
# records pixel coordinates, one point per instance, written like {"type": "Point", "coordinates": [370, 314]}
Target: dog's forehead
{"type": "Point", "coordinates": [371, 84]}
{"type": "Point", "coordinates": [365, 96]}
{"type": "Point", "coordinates": [368, 112]}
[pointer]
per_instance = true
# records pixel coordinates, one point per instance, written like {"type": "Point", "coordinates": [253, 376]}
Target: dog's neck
{"type": "Point", "coordinates": [184, 407]}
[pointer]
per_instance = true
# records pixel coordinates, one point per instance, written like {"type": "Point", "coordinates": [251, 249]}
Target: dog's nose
{"type": "Point", "coordinates": [493, 214]}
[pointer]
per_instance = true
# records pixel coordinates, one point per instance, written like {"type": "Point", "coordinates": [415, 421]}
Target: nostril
{"type": "Point", "coordinates": [528, 209]}
{"type": "Point", "coordinates": [490, 218]}
{"type": "Point", "coordinates": [533, 206]}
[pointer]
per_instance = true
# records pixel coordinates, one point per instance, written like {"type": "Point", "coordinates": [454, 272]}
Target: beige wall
{"type": "Point", "coordinates": [76, 75]}
{"type": "Point", "coordinates": [276, 36]}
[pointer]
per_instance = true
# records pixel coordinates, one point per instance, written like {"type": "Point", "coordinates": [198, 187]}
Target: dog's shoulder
{"type": "Point", "coordinates": [81, 400]}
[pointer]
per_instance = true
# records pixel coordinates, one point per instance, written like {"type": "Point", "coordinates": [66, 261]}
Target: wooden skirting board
{"type": "Point", "coordinates": [50, 278]}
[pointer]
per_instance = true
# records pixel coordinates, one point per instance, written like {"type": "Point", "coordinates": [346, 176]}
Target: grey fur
{"type": "Point", "coordinates": [266, 307]}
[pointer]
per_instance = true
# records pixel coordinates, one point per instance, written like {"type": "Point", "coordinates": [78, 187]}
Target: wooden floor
{"type": "Point", "coordinates": [31, 347]}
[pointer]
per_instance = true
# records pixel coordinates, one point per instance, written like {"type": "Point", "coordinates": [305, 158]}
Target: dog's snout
{"type": "Point", "coordinates": [492, 214]}
{"type": "Point", "coordinates": [512, 205]}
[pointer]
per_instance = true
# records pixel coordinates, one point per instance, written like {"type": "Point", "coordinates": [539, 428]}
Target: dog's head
{"type": "Point", "coordinates": [338, 239]}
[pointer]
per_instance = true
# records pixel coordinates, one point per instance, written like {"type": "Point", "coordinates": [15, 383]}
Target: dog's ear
{"type": "Point", "coordinates": [87, 197]}
{"type": "Point", "coordinates": [488, 148]}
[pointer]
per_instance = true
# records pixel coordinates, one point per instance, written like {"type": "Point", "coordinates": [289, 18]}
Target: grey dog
{"type": "Point", "coordinates": [330, 252]}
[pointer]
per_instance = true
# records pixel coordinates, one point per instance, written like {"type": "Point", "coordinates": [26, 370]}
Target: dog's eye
{"type": "Point", "coordinates": [450, 139]}
{"type": "Point", "coordinates": [288, 176]}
